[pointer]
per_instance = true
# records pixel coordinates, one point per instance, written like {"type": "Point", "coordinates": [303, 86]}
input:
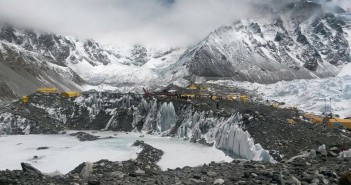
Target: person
{"type": "Point", "coordinates": [345, 179]}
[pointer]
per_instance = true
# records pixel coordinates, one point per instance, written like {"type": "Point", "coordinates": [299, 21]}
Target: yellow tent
{"type": "Point", "coordinates": [70, 94]}
{"type": "Point", "coordinates": [335, 122]}
{"type": "Point", "coordinates": [188, 95]}
{"type": "Point", "coordinates": [46, 90]}
{"type": "Point", "coordinates": [244, 98]}
{"type": "Point", "coordinates": [24, 99]}
{"type": "Point", "coordinates": [192, 87]}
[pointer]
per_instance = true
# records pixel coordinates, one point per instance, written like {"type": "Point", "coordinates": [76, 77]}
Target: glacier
{"type": "Point", "coordinates": [127, 112]}
{"type": "Point", "coordinates": [312, 95]}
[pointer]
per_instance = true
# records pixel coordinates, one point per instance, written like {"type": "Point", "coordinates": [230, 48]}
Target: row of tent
{"type": "Point", "coordinates": [331, 121]}
{"type": "Point", "coordinates": [68, 94]}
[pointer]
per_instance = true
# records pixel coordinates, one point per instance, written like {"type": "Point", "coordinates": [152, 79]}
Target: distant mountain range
{"type": "Point", "coordinates": [299, 40]}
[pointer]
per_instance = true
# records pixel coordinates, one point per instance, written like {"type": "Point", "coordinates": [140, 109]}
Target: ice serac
{"type": "Point", "coordinates": [232, 139]}
{"type": "Point", "coordinates": [298, 41]}
{"type": "Point", "coordinates": [225, 133]}
{"type": "Point", "coordinates": [166, 117]}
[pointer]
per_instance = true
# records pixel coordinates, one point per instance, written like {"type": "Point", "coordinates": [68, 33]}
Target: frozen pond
{"type": "Point", "coordinates": [66, 152]}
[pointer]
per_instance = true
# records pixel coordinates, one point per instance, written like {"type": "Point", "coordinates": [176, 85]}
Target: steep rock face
{"type": "Point", "coordinates": [300, 41]}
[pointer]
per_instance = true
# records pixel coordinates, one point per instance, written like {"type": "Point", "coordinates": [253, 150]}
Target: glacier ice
{"type": "Point", "coordinates": [152, 116]}
{"type": "Point", "coordinates": [166, 117]}
{"type": "Point", "coordinates": [308, 95]}
{"type": "Point", "coordinates": [226, 134]}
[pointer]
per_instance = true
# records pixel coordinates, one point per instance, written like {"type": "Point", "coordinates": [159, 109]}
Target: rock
{"type": "Point", "coordinates": [203, 171]}
{"type": "Point", "coordinates": [93, 182]}
{"type": "Point", "coordinates": [325, 181]}
{"type": "Point", "coordinates": [117, 174]}
{"type": "Point", "coordinates": [296, 181]}
{"type": "Point", "coordinates": [82, 136]}
{"type": "Point", "coordinates": [211, 173]}
{"type": "Point", "coordinates": [30, 169]}
{"type": "Point", "coordinates": [218, 181]}
{"type": "Point", "coordinates": [140, 172]}
{"type": "Point", "coordinates": [42, 148]}
{"type": "Point", "coordinates": [197, 176]}
{"type": "Point", "coordinates": [322, 150]}
{"type": "Point", "coordinates": [313, 154]}
{"type": "Point", "coordinates": [246, 117]}
{"type": "Point", "coordinates": [331, 153]}
{"type": "Point", "coordinates": [196, 180]}
{"type": "Point", "coordinates": [315, 181]}
{"type": "Point", "coordinates": [87, 169]}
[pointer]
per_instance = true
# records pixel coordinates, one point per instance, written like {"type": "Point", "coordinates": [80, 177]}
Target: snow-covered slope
{"type": "Point", "coordinates": [298, 41]}
{"type": "Point", "coordinates": [128, 67]}
{"type": "Point", "coordinates": [309, 95]}
{"type": "Point", "coordinates": [29, 60]}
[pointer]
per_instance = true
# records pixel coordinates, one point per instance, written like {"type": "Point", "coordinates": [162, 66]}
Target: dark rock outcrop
{"type": "Point", "coordinates": [27, 168]}
{"type": "Point", "coordinates": [82, 136]}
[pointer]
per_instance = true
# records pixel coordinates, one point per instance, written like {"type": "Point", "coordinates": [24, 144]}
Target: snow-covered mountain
{"type": "Point", "coordinates": [299, 41]}
{"type": "Point", "coordinates": [29, 60]}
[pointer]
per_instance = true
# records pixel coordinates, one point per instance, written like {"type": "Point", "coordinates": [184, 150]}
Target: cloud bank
{"type": "Point", "coordinates": [168, 23]}
{"type": "Point", "coordinates": [150, 22]}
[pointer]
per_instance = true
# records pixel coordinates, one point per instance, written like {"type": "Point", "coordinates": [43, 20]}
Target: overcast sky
{"type": "Point", "coordinates": [175, 23]}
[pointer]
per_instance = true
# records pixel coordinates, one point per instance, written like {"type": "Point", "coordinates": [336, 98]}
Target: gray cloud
{"type": "Point", "coordinates": [120, 22]}
{"type": "Point", "coordinates": [150, 22]}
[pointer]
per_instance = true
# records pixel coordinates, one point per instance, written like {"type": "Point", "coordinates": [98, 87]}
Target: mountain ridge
{"type": "Point", "coordinates": [300, 40]}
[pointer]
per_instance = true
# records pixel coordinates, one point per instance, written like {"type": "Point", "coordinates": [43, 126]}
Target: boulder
{"type": "Point", "coordinates": [82, 136]}
{"type": "Point", "coordinates": [30, 169]}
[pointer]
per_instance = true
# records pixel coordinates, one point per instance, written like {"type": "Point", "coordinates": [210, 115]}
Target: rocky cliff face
{"type": "Point", "coordinates": [300, 40]}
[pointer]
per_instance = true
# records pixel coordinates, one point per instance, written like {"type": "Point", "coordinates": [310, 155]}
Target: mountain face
{"type": "Point", "coordinates": [29, 60]}
{"type": "Point", "coordinates": [295, 40]}
{"type": "Point", "coordinates": [300, 41]}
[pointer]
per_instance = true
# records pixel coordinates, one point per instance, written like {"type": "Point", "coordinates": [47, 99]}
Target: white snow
{"type": "Point", "coordinates": [308, 95]}
{"type": "Point", "coordinates": [66, 152]}
{"type": "Point", "coordinates": [346, 70]}
{"type": "Point", "coordinates": [120, 72]}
